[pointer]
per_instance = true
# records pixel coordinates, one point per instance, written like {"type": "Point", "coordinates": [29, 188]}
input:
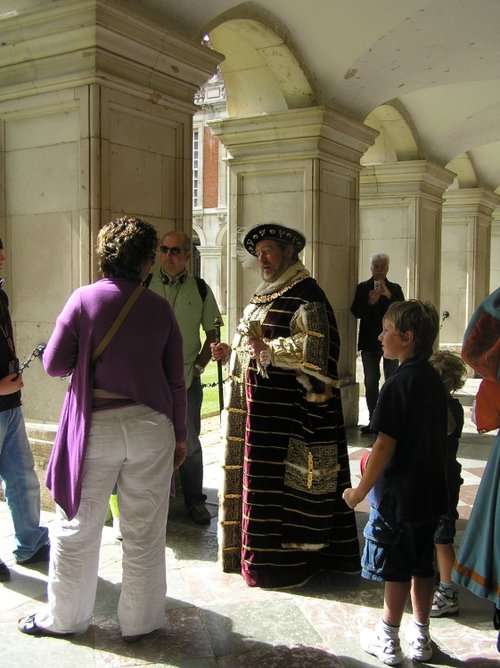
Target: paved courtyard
{"type": "Point", "coordinates": [213, 619]}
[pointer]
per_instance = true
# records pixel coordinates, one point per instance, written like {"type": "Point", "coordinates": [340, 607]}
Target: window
{"type": "Point", "coordinates": [196, 168]}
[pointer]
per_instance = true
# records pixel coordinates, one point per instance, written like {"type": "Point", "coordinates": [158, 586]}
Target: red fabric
{"type": "Point", "coordinates": [364, 461]}
{"type": "Point", "coordinates": [481, 349]}
{"type": "Point", "coordinates": [488, 406]}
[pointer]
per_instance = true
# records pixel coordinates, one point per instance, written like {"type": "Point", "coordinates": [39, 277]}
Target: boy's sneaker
{"type": "Point", "coordinates": [443, 603]}
{"type": "Point", "coordinates": [382, 642]}
{"type": "Point", "coordinates": [4, 572]}
{"type": "Point", "coordinates": [419, 640]}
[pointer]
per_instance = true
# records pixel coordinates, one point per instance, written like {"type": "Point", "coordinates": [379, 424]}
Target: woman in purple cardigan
{"type": "Point", "coordinates": [122, 422]}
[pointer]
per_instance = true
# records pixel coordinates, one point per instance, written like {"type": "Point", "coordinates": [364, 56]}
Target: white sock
{"type": "Point", "coordinates": [448, 589]}
{"type": "Point", "coordinates": [424, 628]}
{"type": "Point", "coordinates": [392, 631]}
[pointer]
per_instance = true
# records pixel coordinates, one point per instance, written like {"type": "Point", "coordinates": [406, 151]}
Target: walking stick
{"type": "Point", "coordinates": [443, 318]}
{"type": "Point", "coordinates": [217, 326]}
{"type": "Point", "coordinates": [37, 352]}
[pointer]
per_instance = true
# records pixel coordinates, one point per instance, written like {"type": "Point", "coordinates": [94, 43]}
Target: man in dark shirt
{"type": "Point", "coordinates": [17, 468]}
{"type": "Point", "coordinates": [370, 304]}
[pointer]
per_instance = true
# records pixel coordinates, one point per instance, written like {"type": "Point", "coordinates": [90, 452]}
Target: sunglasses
{"type": "Point", "coordinates": [175, 250]}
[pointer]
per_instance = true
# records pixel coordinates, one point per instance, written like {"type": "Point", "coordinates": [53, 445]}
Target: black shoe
{"type": "Point", "coordinates": [199, 514]}
{"type": "Point", "coordinates": [29, 626]}
{"type": "Point", "coordinates": [4, 572]}
{"type": "Point", "coordinates": [43, 554]}
{"type": "Point", "coordinates": [130, 640]}
{"type": "Point", "coordinates": [366, 431]}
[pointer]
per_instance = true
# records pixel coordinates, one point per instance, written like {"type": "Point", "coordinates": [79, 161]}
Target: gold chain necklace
{"type": "Point", "coordinates": [265, 299]}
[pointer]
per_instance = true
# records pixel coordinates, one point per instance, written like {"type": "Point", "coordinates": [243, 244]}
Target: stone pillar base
{"type": "Point", "coordinates": [41, 436]}
{"type": "Point", "coordinates": [350, 404]}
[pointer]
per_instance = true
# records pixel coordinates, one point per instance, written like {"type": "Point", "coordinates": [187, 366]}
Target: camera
{"type": "Point", "coordinates": [376, 285]}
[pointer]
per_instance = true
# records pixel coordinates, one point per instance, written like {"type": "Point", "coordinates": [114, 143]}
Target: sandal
{"type": "Point", "coordinates": [29, 626]}
{"type": "Point", "coordinates": [130, 640]}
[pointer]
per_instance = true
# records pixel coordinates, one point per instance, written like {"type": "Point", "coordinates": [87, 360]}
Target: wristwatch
{"type": "Point", "coordinates": [200, 369]}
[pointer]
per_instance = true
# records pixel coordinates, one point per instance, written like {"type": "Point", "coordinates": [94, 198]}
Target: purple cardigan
{"type": "Point", "coordinates": [143, 361]}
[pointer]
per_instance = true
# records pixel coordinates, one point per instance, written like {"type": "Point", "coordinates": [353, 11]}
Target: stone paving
{"type": "Point", "coordinates": [213, 619]}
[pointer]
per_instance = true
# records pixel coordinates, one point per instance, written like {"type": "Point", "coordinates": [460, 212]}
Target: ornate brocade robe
{"type": "Point", "coordinates": [286, 462]}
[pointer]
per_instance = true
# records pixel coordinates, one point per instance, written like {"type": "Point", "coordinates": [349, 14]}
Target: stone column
{"type": "Point", "coordinates": [401, 206]}
{"type": "Point", "coordinates": [212, 264]}
{"type": "Point", "coordinates": [96, 107]}
{"type": "Point", "coordinates": [300, 168]}
{"type": "Point", "coordinates": [467, 249]}
{"type": "Point", "coordinates": [495, 251]}
{"type": "Point", "coordinates": [210, 226]}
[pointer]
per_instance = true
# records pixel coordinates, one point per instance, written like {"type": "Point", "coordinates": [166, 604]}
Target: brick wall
{"type": "Point", "coordinates": [210, 169]}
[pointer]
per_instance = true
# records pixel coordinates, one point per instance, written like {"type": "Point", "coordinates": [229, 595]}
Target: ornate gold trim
{"type": "Point", "coordinates": [266, 299]}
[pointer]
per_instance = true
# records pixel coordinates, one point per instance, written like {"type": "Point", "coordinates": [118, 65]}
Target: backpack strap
{"type": "Point", "coordinates": [202, 287]}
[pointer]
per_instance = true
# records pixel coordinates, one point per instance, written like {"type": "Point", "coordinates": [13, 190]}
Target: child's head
{"type": "Point", "coordinates": [451, 368]}
{"type": "Point", "coordinates": [419, 318]}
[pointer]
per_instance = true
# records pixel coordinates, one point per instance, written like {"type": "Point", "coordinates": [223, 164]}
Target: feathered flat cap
{"type": "Point", "coordinates": [275, 232]}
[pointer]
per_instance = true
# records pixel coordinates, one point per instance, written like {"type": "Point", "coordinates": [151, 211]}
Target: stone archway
{"type": "Point", "coordinates": [396, 140]}
{"type": "Point", "coordinates": [260, 71]}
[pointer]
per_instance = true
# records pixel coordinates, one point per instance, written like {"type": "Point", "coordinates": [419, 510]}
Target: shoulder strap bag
{"type": "Point", "coordinates": [117, 323]}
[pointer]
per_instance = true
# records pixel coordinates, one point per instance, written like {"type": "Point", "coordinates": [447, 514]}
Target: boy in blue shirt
{"type": "Point", "coordinates": [408, 464]}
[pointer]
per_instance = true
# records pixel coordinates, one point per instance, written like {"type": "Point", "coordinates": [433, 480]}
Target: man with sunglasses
{"type": "Point", "coordinates": [195, 307]}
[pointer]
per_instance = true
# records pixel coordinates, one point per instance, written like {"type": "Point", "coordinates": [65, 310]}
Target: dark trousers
{"type": "Point", "coordinates": [371, 370]}
{"type": "Point", "coordinates": [191, 472]}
